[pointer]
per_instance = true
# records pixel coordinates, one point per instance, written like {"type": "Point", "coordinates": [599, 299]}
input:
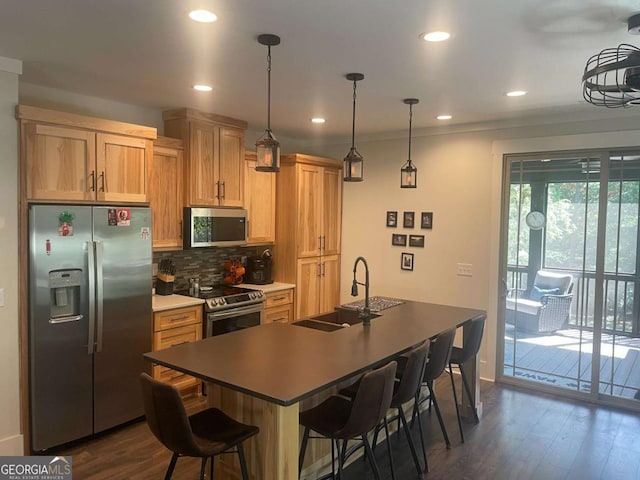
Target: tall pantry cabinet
{"type": "Point", "coordinates": [308, 225]}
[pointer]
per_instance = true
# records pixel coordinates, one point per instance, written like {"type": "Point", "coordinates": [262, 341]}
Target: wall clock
{"type": "Point", "coordinates": [535, 220]}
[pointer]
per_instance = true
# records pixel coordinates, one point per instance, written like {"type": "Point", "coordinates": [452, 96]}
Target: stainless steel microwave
{"type": "Point", "coordinates": [214, 227]}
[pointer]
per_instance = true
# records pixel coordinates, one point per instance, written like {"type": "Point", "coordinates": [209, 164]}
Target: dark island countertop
{"type": "Point", "coordinates": [283, 363]}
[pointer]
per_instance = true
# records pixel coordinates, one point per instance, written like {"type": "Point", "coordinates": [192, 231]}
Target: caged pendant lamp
{"type": "Point", "coordinates": [408, 172]}
{"type": "Point", "coordinates": [353, 160]}
{"type": "Point", "coordinates": [268, 147]}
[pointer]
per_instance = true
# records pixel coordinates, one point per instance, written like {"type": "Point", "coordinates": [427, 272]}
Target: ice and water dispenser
{"type": "Point", "coordinates": [64, 291]}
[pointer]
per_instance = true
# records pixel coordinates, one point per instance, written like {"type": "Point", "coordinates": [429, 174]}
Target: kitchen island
{"type": "Point", "coordinates": [261, 375]}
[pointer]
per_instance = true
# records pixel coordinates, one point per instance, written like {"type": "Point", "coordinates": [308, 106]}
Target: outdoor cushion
{"type": "Point", "coordinates": [537, 293]}
{"type": "Point", "coordinates": [524, 305]}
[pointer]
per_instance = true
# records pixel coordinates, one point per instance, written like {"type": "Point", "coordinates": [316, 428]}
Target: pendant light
{"type": "Point", "coordinates": [353, 160]}
{"type": "Point", "coordinates": [408, 172]}
{"type": "Point", "coordinates": [267, 146]}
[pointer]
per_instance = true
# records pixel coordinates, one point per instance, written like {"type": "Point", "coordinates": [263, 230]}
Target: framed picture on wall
{"type": "Point", "coordinates": [406, 261]}
{"type": "Point", "coordinates": [416, 241]}
{"type": "Point", "coordinates": [399, 240]}
{"type": "Point", "coordinates": [392, 219]}
{"type": "Point", "coordinates": [426, 220]}
{"type": "Point", "coordinates": [408, 219]}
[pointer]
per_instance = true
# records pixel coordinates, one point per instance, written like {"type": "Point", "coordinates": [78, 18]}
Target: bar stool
{"type": "Point", "coordinates": [338, 418]}
{"type": "Point", "coordinates": [440, 352]}
{"type": "Point", "coordinates": [204, 434]}
{"type": "Point", "coordinates": [404, 390]}
{"type": "Point", "coordinates": [459, 356]}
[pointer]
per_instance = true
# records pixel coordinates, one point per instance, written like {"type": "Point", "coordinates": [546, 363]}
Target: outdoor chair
{"type": "Point", "coordinates": [545, 307]}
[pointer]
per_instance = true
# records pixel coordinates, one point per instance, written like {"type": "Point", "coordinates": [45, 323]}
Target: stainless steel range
{"type": "Point", "coordinates": [228, 308]}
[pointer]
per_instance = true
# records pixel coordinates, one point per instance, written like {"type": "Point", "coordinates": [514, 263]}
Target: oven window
{"type": "Point", "coordinates": [231, 324]}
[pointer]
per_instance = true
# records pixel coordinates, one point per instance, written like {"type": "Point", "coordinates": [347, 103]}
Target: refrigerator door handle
{"type": "Point", "coordinates": [91, 262]}
{"type": "Point", "coordinates": [99, 294]}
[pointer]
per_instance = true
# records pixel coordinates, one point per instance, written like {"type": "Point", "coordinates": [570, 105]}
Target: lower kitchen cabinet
{"type": "Point", "coordinates": [174, 327]}
{"type": "Point", "coordinates": [318, 285]}
{"type": "Point", "coordinates": [278, 307]}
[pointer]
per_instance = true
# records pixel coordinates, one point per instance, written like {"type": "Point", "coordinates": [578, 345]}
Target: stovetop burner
{"type": "Point", "coordinates": [219, 297]}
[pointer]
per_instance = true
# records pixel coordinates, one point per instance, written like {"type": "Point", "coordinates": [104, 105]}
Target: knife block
{"type": "Point", "coordinates": [164, 284]}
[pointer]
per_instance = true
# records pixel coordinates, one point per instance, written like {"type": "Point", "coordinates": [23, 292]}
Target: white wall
{"type": "Point", "coordinates": [10, 437]}
{"type": "Point", "coordinates": [459, 180]}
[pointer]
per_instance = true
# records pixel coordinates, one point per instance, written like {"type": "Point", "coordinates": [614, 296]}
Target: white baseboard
{"type": "Point", "coordinates": [12, 446]}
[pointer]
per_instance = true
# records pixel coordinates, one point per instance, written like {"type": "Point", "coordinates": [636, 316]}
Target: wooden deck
{"type": "Point", "coordinates": [564, 359]}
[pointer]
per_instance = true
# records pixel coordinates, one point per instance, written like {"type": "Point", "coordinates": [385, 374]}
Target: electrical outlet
{"type": "Point", "coordinates": [465, 270]}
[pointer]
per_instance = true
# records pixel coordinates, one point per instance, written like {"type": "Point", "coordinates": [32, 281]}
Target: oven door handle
{"type": "Point", "coordinates": [234, 312]}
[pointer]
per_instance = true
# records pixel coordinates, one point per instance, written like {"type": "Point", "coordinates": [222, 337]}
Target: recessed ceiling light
{"type": "Point", "coordinates": [435, 36]}
{"type": "Point", "coordinates": [202, 88]}
{"type": "Point", "coordinates": [203, 16]}
{"type": "Point", "coordinates": [444, 117]}
{"type": "Point", "coordinates": [318, 120]}
{"type": "Point", "coordinates": [516, 93]}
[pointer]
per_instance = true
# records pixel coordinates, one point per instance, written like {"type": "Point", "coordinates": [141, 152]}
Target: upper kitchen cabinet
{"type": "Point", "coordinates": [214, 153]}
{"type": "Point", "coordinates": [260, 202]}
{"type": "Point", "coordinates": [165, 193]}
{"type": "Point", "coordinates": [69, 157]}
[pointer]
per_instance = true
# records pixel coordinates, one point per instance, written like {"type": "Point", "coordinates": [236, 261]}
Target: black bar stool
{"type": "Point", "coordinates": [459, 356]}
{"type": "Point", "coordinates": [338, 418]}
{"type": "Point", "coordinates": [204, 434]}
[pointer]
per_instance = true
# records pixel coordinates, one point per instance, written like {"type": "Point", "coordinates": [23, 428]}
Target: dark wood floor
{"type": "Point", "coordinates": [522, 435]}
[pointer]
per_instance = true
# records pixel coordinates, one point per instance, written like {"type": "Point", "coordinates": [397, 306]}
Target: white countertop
{"type": "Point", "coordinates": [270, 287]}
{"type": "Point", "coordinates": [167, 302]}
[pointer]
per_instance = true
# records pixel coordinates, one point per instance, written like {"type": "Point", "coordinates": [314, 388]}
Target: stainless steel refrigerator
{"type": "Point", "coordinates": [89, 318]}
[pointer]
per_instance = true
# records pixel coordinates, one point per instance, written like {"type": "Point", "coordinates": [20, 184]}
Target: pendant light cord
{"type": "Point", "coordinates": [269, 89]}
{"type": "Point", "coordinates": [410, 121]}
{"type": "Point", "coordinates": [353, 122]}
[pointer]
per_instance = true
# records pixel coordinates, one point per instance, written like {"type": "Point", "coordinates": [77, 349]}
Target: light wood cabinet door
{"type": "Point", "coordinates": [309, 276]}
{"type": "Point", "coordinates": [121, 167]}
{"type": "Point", "coordinates": [231, 167]}
{"type": "Point", "coordinates": [61, 163]}
{"type": "Point", "coordinates": [281, 314]}
{"type": "Point", "coordinates": [331, 211]}
{"type": "Point", "coordinates": [165, 193]}
{"type": "Point", "coordinates": [329, 294]}
{"type": "Point", "coordinates": [260, 202]}
{"type": "Point", "coordinates": [309, 220]}
{"type": "Point", "coordinates": [204, 186]}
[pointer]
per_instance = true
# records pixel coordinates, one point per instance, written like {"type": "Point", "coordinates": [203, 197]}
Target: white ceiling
{"type": "Point", "coordinates": [149, 53]}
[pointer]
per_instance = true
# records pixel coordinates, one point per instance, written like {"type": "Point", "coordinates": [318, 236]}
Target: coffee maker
{"type": "Point", "coordinates": [259, 268]}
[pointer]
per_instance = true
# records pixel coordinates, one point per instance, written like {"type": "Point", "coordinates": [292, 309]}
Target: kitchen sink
{"type": "Point", "coordinates": [329, 322]}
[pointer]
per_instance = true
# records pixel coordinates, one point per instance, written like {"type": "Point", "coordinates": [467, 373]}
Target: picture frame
{"type": "Point", "coordinates": [426, 220]}
{"type": "Point", "coordinates": [392, 219]}
{"type": "Point", "coordinates": [408, 219]}
{"type": "Point", "coordinates": [406, 261]}
{"type": "Point", "coordinates": [416, 241]}
{"type": "Point", "coordinates": [399, 240]}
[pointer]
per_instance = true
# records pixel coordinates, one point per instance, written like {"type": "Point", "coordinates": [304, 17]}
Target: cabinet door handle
{"type": "Point", "coordinates": [324, 268]}
{"type": "Point", "coordinates": [277, 299]}
{"type": "Point", "coordinates": [320, 243]}
{"type": "Point", "coordinates": [280, 320]}
{"type": "Point", "coordinates": [102, 181]}
{"type": "Point", "coordinates": [324, 242]}
{"type": "Point", "coordinates": [93, 181]}
{"type": "Point", "coordinates": [175, 319]}
{"type": "Point", "coordinates": [224, 190]}
{"type": "Point", "coordinates": [319, 270]}
{"type": "Point", "coordinates": [180, 229]}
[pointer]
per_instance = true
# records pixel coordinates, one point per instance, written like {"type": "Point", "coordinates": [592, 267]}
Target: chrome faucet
{"type": "Point", "coordinates": [365, 314]}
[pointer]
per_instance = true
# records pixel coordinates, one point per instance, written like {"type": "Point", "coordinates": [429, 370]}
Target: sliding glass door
{"type": "Point", "coordinates": [570, 272]}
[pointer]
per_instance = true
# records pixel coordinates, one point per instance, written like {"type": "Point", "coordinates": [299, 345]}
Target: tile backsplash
{"type": "Point", "coordinates": [205, 263]}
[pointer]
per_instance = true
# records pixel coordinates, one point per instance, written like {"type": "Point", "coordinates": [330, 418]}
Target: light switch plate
{"type": "Point", "coordinates": [465, 270]}
{"type": "Point", "coordinates": [1, 297]}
